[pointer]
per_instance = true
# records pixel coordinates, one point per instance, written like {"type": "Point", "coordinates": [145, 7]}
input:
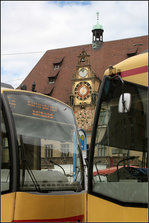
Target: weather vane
{"type": "Point", "coordinates": [97, 17]}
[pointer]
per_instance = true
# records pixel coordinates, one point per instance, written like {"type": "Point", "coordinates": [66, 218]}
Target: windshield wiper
{"type": "Point", "coordinates": [26, 166]}
{"type": "Point", "coordinates": [77, 185]}
{"type": "Point", "coordinates": [125, 159]}
{"type": "Point", "coordinates": [67, 175]}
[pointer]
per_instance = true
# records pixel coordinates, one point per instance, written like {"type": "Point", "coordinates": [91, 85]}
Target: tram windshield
{"type": "Point", "coordinates": [120, 162]}
{"type": "Point", "coordinates": [50, 158]}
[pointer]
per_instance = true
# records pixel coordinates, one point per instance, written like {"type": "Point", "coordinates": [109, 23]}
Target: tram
{"type": "Point", "coordinates": [118, 157]}
{"type": "Point", "coordinates": [42, 178]}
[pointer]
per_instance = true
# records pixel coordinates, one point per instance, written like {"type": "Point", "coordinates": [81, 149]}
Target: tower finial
{"type": "Point", "coordinates": [97, 17]}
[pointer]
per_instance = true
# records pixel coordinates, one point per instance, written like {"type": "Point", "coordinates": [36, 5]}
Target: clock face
{"type": "Point", "coordinates": [83, 72]}
{"type": "Point", "coordinates": [83, 90]}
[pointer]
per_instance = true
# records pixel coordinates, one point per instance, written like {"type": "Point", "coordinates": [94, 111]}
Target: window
{"type": "Point", "coordinates": [42, 125]}
{"type": "Point", "coordinates": [124, 136]}
{"type": "Point", "coordinates": [102, 150]}
{"type": "Point", "coordinates": [53, 76]}
{"type": "Point", "coordinates": [64, 150]}
{"type": "Point", "coordinates": [49, 151]}
{"type": "Point", "coordinates": [56, 66]}
{"type": "Point", "coordinates": [5, 158]}
{"type": "Point", "coordinates": [57, 63]}
{"type": "Point", "coordinates": [132, 51]}
{"type": "Point", "coordinates": [52, 80]}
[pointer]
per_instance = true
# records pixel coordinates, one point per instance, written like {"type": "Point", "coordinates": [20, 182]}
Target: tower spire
{"type": "Point", "coordinates": [97, 17]}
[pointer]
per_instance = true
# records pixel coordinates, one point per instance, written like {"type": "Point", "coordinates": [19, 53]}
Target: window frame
{"type": "Point", "coordinates": [91, 155]}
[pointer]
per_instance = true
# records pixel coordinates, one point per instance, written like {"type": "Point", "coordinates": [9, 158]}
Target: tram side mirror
{"type": "Point", "coordinates": [124, 103]}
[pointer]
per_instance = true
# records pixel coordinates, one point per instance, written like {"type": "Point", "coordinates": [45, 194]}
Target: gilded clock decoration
{"type": "Point", "coordinates": [83, 90]}
{"type": "Point", "coordinates": [84, 118]}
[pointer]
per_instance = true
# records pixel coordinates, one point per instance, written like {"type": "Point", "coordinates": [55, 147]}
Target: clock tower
{"type": "Point", "coordinates": [85, 85]}
{"type": "Point", "coordinates": [97, 37]}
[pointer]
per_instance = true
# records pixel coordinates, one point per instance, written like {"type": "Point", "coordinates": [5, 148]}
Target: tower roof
{"type": "Point", "coordinates": [97, 26]}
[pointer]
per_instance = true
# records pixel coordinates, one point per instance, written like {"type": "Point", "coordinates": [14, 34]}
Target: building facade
{"type": "Point", "coordinates": [74, 74]}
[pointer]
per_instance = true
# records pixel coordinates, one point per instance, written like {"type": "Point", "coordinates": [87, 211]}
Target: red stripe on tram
{"type": "Point", "coordinates": [76, 218]}
{"type": "Point", "coordinates": [134, 71]}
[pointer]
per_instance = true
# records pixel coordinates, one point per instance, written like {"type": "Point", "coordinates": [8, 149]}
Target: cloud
{"type": "Point", "coordinates": [38, 26]}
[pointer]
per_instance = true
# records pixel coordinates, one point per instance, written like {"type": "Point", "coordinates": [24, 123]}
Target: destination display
{"type": "Point", "coordinates": [40, 116]}
{"type": "Point", "coordinates": [31, 105]}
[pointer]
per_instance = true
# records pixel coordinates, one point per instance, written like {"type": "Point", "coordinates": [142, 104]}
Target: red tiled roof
{"type": "Point", "coordinates": [132, 51]}
{"type": "Point", "coordinates": [48, 89]}
{"type": "Point", "coordinates": [110, 53]}
{"type": "Point", "coordinates": [54, 73]}
{"type": "Point", "coordinates": [57, 60]}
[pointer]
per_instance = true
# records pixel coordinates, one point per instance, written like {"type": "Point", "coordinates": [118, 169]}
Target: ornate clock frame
{"type": "Point", "coordinates": [85, 85]}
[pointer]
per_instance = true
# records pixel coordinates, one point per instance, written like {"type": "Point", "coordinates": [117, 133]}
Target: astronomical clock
{"type": "Point", "coordinates": [85, 86]}
{"type": "Point", "coordinates": [83, 90]}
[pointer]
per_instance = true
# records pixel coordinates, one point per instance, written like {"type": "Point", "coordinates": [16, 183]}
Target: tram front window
{"type": "Point", "coordinates": [120, 168]}
{"type": "Point", "coordinates": [50, 159]}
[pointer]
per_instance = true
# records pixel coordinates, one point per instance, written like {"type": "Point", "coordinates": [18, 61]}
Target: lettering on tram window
{"type": "Point", "coordinates": [12, 101]}
{"type": "Point", "coordinates": [43, 110]}
{"type": "Point", "coordinates": [32, 107]}
{"type": "Point", "coordinates": [42, 114]}
{"type": "Point", "coordinates": [42, 106]}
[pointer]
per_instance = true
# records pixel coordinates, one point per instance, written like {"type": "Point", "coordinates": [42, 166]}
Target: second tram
{"type": "Point", "coordinates": [118, 158]}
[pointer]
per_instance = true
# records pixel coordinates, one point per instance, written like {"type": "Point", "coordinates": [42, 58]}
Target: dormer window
{"type": "Point", "coordinates": [57, 63]}
{"type": "Point", "coordinates": [52, 80]}
{"type": "Point", "coordinates": [132, 51]}
{"type": "Point", "coordinates": [53, 76]}
{"type": "Point", "coordinates": [56, 66]}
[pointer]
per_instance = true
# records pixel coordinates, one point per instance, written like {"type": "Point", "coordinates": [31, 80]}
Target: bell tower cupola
{"type": "Point", "coordinates": [97, 37]}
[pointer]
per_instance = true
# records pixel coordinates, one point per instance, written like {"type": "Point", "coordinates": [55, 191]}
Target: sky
{"type": "Point", "coordinates": [30, 28]}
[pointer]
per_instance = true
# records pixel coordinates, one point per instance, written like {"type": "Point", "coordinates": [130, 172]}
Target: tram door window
{"type": "Point", "coordinates": [5, 157]}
